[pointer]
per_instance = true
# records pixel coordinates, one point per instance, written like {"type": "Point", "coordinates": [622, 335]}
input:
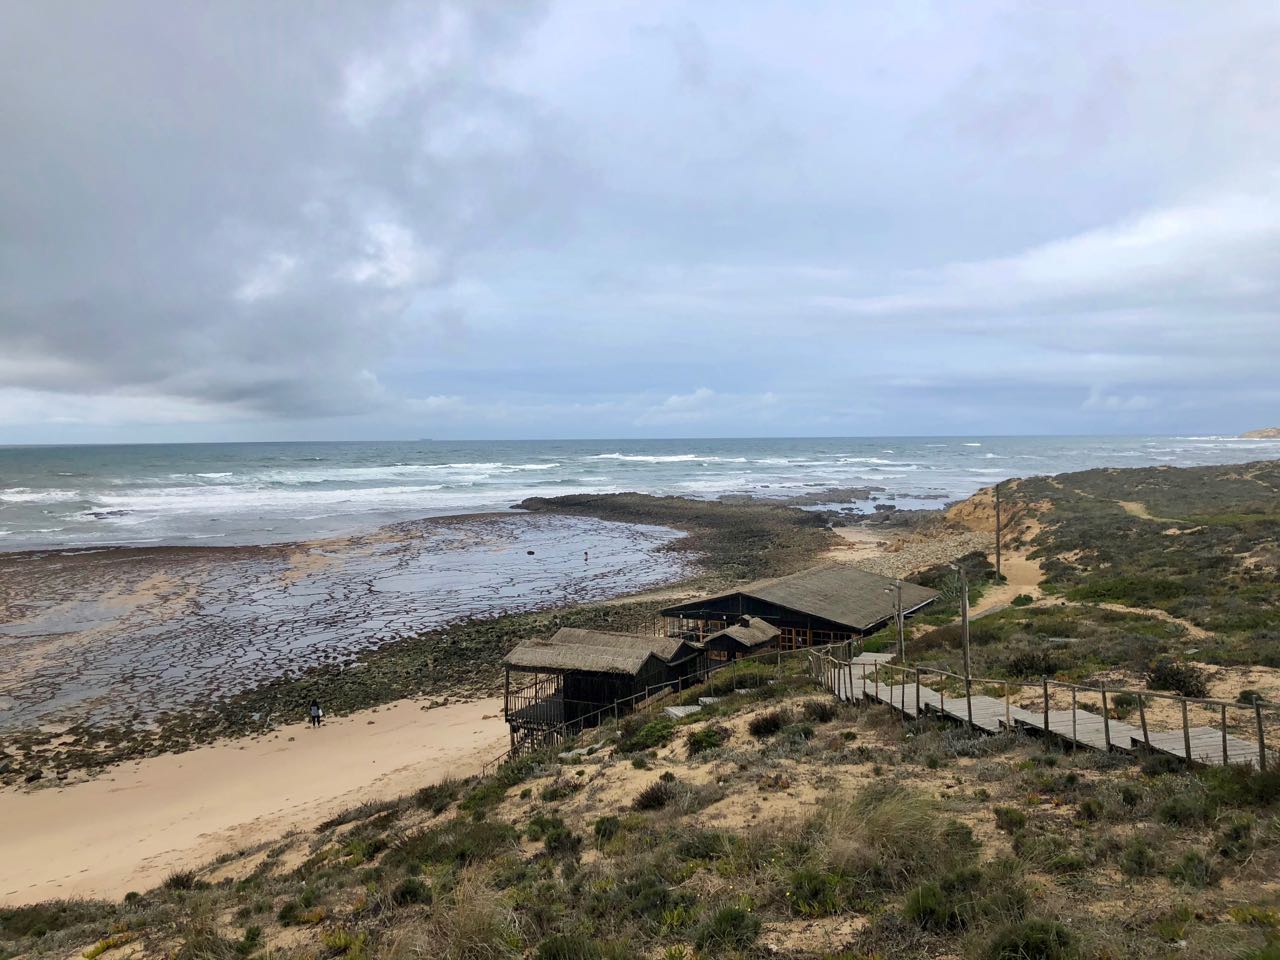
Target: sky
{"type": "Point", "coordinates": [318, 220]}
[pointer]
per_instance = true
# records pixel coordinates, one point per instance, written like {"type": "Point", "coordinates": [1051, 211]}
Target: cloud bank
{"type": "Point", "coordinates": [489, 219]}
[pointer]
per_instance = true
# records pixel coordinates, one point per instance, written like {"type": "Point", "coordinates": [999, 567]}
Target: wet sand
{"type": "Point", "coordinates": [130, 828]}
{"type": "Point", "coordinates": [124, 635]}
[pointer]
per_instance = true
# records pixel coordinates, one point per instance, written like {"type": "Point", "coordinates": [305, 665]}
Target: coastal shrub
{"type": "Point", "coordinates": [1194, 870]}
{"type": "Point", "coordinates": [436, 797]}
{"type": "Point", "coordinates": [819, 711]}
{"type": "Point", "coordinates": [1022, 600]}
{"type": "Point", "coordinates": [729, 928]}
{"type": "Point", "coordinates": [410, 890]}
{"type": "Point", "coordinates": [656, 733]}
{"type": "Point", "coordinates": [1250, 697]}
{"type": "Point", "coordinates": [41, 919]}
{"type": "Point", "coordinates": [556, 837]}
{"type": "Point", "coordinates": [1130, 591]}
{"type": "Point", "coordinates": [967, 896]}
{"type": "Point", "coordinates": [655, 796]}
{"type": "Point", "coordinates": [559, 789]}
{"type": "Point", "coordinates": [606, 828]}
{"type": "Point", "coordinates": [456, 841]}
{"type": "Point", "coordinates": [1031, 663]}
{"type": "Point", "coordinates": [181, 880]}
{"type": "Point", "coordinates": [708, 738]}
{"type": "Point", "coordinates": [564, 946]}
{"type": "Point", "coordinates": [767, 724]}
{"type": "Point", "coordinates": [812, 892]}
{"type": "Point", "coordinates": [1033, 939]}
{"type": "Point", "coordinates": [1123, 704]}
{"type": "Point", "coordinates": [1235, 836]}
{"type": "Point", "coordinates": [1179, 676]}
{"type": "Point", "coordinates": [1010, 819]}
{"type": "Point", "coordinates": [1138, 857]}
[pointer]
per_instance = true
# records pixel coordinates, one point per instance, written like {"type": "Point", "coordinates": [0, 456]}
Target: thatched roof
{"type": "Point", "coordinates": [836, 592]}
{"type": "Point", "coordinates": [595, 651]}
{"type": "Point", "coordinates": [753, 634]}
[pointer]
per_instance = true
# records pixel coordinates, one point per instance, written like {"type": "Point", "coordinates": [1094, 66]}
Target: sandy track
{"type": "Point", "coordinates": [134, 825]}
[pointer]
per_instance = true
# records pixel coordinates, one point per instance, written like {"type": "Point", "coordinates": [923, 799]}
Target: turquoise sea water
{"type": "Point", "coordinates": [240, 493]}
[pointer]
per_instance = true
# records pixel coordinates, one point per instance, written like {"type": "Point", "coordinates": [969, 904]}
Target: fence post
{"type": "Point", "coordinates": [1224, 735]}
{"type": "Point", "coordinates": [1142, 715]}
{"type": "Point", "coordinates": [1008, 708]}
{"type": "Point", "coordinates": [917, 694]}
{"type": "Point", "coordinates": [1186, 731]}
{"type": "Point", "coordinates": [1044, 684]}
{"type": "Point", "coordinates": [942, 698]}
{"type": "Point", "coordinates": [968, 696]}
{"type": "Point", "coordinates": [864, 681]}
{"type": "Point", "coordinates": [1074, 738]}
{"type": "Point", "coordinates": [877, 679]}
{"type": "Point", "coordinates": [1262, 739]}
{"type": "Point", "coordinates": [1106, 722]}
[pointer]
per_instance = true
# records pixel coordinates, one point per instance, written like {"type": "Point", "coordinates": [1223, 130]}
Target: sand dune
{"type": "Point", "coordinates": [130, 827]}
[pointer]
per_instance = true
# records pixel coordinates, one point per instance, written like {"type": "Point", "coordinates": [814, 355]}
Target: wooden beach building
{"type": "Point", "coordinates": [568, 679]}
{"type": "Point", "coordinates": [744, 638]}
{"type": "Point", "coordinates": [832, 603]}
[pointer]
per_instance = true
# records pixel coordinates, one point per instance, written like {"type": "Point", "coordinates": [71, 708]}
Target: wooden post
{"type": "Point", "coordinates": [1142, 715]}
{"type": "Point", "coordinates": [1074, 738]}
{"type": "Point", "coordinates": [1262, 738]}
{"type": "Point", "coordinates": [1225, 757]}
{"type": "Point", "coordinates": [1106, 722]}
{"type": "Point", "coordinates": [1008, 710]}
{"type": "Point", "coordinates": [506, 691]}
{"type": "Point", "coordinates": [1186, 731]}
{"type": "Point", "coordinates": [942, 698]}
{"type": "Point", "coordinates": [968, 699]}
{"type": "Point", "coordinates": [1044, 684]}
{"type": "Point", "coordinates": [864, 680]}
{"type": "Point", "coordinates": [917, 694]}
{"type": "Point", "coordinates": [877, 679]}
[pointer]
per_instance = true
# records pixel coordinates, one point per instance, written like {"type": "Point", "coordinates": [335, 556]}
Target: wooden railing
{"type": "Point", "coordinates": [827, 669]}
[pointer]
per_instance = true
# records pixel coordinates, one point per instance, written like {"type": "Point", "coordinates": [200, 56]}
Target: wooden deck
{"type": "Point", "coordinates": [859, 681]}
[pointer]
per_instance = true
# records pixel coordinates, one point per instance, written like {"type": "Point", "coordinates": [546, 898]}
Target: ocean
{"type": "Point", "coordinates": [253, 493]}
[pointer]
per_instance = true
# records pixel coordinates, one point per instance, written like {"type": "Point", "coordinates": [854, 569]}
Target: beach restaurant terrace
{"type": "Point", "coordinates": [572, 676]}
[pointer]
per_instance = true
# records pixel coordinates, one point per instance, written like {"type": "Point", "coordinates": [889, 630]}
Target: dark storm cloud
{"type": "Point", "coordinates": [236, 204]}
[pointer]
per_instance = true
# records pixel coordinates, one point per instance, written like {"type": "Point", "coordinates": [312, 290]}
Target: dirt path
{"type": "Point", "coordinates": [130, 828]}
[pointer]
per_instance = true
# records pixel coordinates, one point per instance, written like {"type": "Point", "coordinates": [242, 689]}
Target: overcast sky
{"type": "Point", "coordinates": [245, 220]}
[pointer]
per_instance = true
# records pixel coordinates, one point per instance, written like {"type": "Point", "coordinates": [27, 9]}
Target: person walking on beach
{"type": "Point", "coordinates": [316, 713]}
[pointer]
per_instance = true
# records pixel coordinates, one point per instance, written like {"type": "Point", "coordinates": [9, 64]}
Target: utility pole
{"type": "Point", "coordinates": [997, 530]}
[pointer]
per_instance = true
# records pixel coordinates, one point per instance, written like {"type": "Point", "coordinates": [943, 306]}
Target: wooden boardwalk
{"type": "Point", "coordinates": [865, 679]}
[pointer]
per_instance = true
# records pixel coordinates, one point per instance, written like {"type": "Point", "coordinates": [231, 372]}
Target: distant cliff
{"type": "Point", "coordinates": [1266, 433]}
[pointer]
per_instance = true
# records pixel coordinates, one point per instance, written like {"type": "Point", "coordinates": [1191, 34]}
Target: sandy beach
{"type": "Point", "coordinates": [128, 829]}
